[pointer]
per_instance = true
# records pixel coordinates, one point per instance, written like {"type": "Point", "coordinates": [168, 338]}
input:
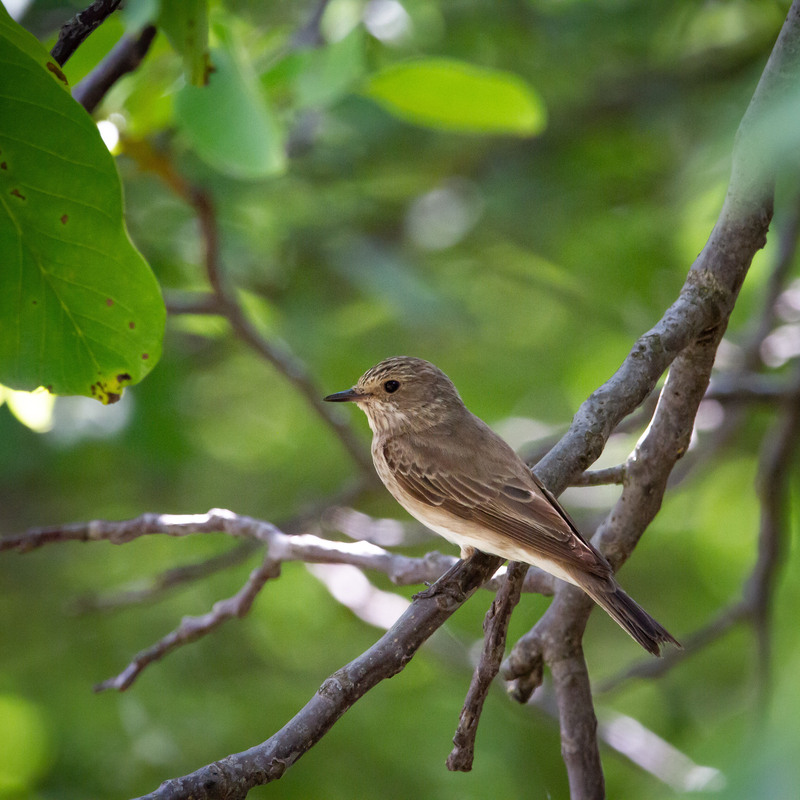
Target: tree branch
{"type": "Point", "coordinates": [401, 570]}
{"type": "Point", "coordinates": [773, 481]}
{"type": "Point", "coordinates": [689, 332]}
{"type": "Point", "coordinates": [495, 629]}
{"type": "Point", "coordinates": [232, 777]}
{"type": "Point", "coordinates": [290, 367]}
{"type": "Point", "coordinates": [125, 57]}
{"type": "Point", "coordinates": [75, 30]}
{"type": "Point", "coordinates": [193, 628]}
{"type": "Point", "coordinates": [281, 547]}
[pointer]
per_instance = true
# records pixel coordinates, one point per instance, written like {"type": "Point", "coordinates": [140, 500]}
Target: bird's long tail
{"type": "Point", "coordinates": [631, 617]}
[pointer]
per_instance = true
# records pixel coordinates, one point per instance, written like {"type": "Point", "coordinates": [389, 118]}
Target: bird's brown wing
{"type": "Point", "coordinates": [502, 494]}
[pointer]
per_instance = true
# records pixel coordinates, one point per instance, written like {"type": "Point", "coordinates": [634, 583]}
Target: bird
{"type": "Point", "coordinates": [459, 478]}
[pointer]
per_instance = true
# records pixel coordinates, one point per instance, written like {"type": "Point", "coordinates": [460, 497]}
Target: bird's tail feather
{"type": "Point", "coordinates": [631, 617]}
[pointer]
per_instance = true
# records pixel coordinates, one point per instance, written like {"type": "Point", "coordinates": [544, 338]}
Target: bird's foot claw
{"type": "Point", "coordinates": [431, 591]}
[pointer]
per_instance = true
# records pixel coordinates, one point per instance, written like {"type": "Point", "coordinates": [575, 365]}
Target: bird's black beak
{"type": "Point", "coordinates": [350, 395]}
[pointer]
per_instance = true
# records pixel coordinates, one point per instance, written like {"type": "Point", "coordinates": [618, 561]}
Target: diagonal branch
{"type": "Point", "coordinates": [287, 364]}
{"type": "Point", "coordinates": [774, 481]}
{"type": "Point", "coordinates": [75, 30]}
{"type": "Point", "coordinates": [193, 628]}
{"type": "Point", "coordinates": [495, 628]}
{"type": "Point", "coordinates": [125, 57]}
{"type": "Point", "coordinates": [694, 324]}
{"type": "Point", "coordinates": [556, 639]}
{"type": "Point", "coordinates": [232, 777]}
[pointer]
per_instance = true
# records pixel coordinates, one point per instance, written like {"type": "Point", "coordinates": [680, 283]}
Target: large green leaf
{"type": "Point", "coordinates": [80, 310]}
{"type": "Point", "coordinates": [453, 95]}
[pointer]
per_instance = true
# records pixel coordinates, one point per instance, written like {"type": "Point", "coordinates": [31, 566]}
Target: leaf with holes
{"type": "Point", "coordinates": [80, 310]}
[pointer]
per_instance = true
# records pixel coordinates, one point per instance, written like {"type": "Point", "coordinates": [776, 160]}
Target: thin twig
{"type": "Point", "coordinates": [75, 30]}
{"type": "Point", "coordinates": [602, 477]}
{"type": "Point", "coordinates": [193, 628]}
{"type": "Point", "coordinates": [126, 55]}
{"type": "Point", "coordinates": [752, 389]}
{"type": "Point", "coordinates": [495, 630]}
{"type": "Point", "coordinates": [279, 356]}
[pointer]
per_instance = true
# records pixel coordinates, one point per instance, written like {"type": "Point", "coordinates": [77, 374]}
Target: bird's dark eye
{"type": "Point", "coordinates": [391, 386]}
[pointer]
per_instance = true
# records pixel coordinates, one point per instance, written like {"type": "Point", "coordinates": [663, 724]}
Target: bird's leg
{"type": "Point", "coordinates": [437, 585]}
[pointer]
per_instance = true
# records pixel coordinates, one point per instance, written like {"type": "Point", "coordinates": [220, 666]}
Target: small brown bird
{"type": "Point", "coordinates": [454, 474]}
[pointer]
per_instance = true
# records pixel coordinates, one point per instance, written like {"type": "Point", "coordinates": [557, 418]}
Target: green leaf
{"type": "Point", "coordinates": [185, 22]}
{"type": "Point", "coordinates": [80, 310]}
{"type": "Point", "coordinates": [16, 37]}
{"type": "Point", "coordinates": [229, 123]}
{"type": "Point", "coordinates": [330, 72]}
{"type": "Point", "coordinates": [453, 95]}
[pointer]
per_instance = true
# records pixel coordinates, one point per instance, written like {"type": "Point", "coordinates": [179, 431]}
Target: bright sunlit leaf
{"type": "Point", "coordinates": [32, 409]}
{"type": "Point", "coordinates": [453, 95]}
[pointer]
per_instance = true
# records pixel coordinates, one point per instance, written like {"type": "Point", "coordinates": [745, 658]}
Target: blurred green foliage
{"type": "Point", "coordinates": [524, 267]}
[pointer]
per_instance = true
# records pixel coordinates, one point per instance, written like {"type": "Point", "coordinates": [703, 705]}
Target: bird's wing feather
{"type": "Point", "coordinates": [503, 495]}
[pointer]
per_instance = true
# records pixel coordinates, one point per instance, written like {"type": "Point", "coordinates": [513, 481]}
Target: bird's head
{"type": "Point", "coordinates": [403, 394]}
